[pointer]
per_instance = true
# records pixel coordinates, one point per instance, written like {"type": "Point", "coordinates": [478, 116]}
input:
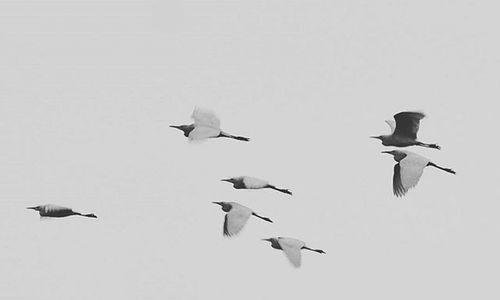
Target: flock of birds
{"type": "Point", "coordinates": [410, 166]}
{"type": "Point", "coordinates": [407, 172]}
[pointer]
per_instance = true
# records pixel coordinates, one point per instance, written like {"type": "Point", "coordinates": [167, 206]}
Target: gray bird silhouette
{"type": "Point", "coordinates": [404, 131]}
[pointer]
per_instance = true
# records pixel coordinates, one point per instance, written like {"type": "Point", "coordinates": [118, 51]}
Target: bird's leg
{"type": "Point", "coordinates": [278, 189]}
{"type": "Point", "coordinates": [434, 146]}
{"type": "Point", "coordinates": [315, 250]}
{"type": "Point", "coordinates": [263, 218]}
{"type": "Point", "coordinates": [239, 138]}
{"type": "Point", "coordinates": [444, 169]}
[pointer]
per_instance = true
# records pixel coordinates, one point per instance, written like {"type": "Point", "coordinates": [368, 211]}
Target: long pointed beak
{"type": "Point", "coordinates": [228, 180]}
{"type": "Point", "coordinates": [375, 137]}
{"type": "Point", "coordinates": [388, 152]}
{"type": "Point", "coordinates": [175, 126]}
{"type": "Point", "coordinates": [267, 240]}
{"type": "Point", "coordinates": [220, 203]}
{"type": "Point", "coordinates": [33, 207]}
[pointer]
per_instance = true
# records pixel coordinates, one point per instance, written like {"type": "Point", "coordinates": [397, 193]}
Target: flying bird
{"type": "Point", "coordinates": [206, 125]}
{"type": "Point", "coordinates": [404, 131]}
{"type": "Point", "coordinates": [55, 211]}
{"type": "Point", "coordinates": [291, 247]}
{"type": "Point", "coordinates": [408, 170]}
{"type": "Point", "coordinates": [236, 217]}
{"type": "Point", "coordinates": [247, 182]}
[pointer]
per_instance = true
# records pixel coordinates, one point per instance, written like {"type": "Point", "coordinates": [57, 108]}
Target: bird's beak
{"type": "Point", "coordinates": [220, 203]}
{"type": "Point", "coordinates": [228, 180]}
{"type": "Point", "coordinates": [175, 126]}
{"type": "Point", "coordinates": [375, 137]}
{"type": "Point", "coordinates": [388, 152]}
{"type": "Point", "coordinates": [267, 240]}
{"type": "Point", "coordinates": [33, 207]}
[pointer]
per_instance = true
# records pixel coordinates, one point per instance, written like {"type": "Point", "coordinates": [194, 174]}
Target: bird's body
{"type": "Point", "coordinates": [408, 170]}
{"type": "Point", "coordinates": [291, 247]}
{"type": "Point", "coordinates": [206, 125]}
{"type": "Point", "coordinates": [252, 183]}
{"type": "Point", "coordinates": [55, 211]}
{"type": "Point", "coordinates": [404, 131]}
{"type": "Point", "coordinates": [236, 217]}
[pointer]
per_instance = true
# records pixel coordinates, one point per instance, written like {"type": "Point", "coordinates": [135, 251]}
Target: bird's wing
{"type": "Point", "coordinates": [203, 132]}
{"type": "Point", "coordinates": [407, 123]}
{"type": "Point", "coordinates": [206, 118]}
{"type": "Point", "coordinates": [392, 125]}
{"type": "Point", "coordinates": [254, 183]}
{"type": "Point", "coordinates": [397, 187]}
{"type": "Point", "coordinates": [53, 208]}
{"type": "Point", "coordinates": [411, 169]}
{"type": "Point", "coordinates": [235, 220]}
{"type": "Point", "coordinates": [292, 247]}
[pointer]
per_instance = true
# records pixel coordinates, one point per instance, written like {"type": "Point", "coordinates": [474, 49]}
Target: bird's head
{"type": "Point", "coordinates": [274, 242]}
{"type": "Point", "coordinates": [398, 155]}
{"type": "Point", "coordinates": [231, 180]}
{"type": "Point", "coordinates": [224, 205]}
{"type": "Point", "coordinates": [37, 208]}
{"type": "Point", "coordinates": [392, 152]}
{"type": "Point", "coordinates": [185, 128]}
{"type": "Point", "coordinates": [378, 137]}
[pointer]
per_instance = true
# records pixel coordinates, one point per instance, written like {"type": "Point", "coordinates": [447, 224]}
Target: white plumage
{"type": "Point", "coordinates": [292, 248]}
{"type": "Point", "coordinates": [206, 124]}
{"type": "Point", "coordinates": [247, 182]}
{"type": "Point", "coordinates": [392, 125]}
{"type": "Point", "coordinates": [205, 117]}
{"type": "Point", "coordinates": [408, 170]}
{"type": "Point", "coordinates": [253, 183]}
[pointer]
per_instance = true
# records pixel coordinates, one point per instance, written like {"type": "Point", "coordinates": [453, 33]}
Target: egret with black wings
{"type": "Point", "coordinates": [404, 131]}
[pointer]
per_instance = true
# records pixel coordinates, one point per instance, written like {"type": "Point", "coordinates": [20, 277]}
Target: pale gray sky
{"type": "Point", "coordinates": [88, 89]}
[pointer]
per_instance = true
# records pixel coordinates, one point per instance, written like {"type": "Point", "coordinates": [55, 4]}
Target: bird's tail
{"type": "Point", "coordinates": [263, 218]}
{"type": "Point", "coordinates": [239, 138]}
{"type": "Point", "coordinates": [444, 169]}
{"type": "Point", "coordinates": [279, 190]}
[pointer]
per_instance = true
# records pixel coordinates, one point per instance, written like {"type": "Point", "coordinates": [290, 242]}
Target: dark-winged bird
{"type": "Point", "coordinates": [404, 132]}
{"type": "Point", "coordinates": [55, 211]}
{"type": "Point", "coordinates": [236, 217]}
{"type": "Point", "coordinates": [206, 125]}
{"type": "Point", "coordinates": [291, 247]}
{"type": "Point", "coordinates": [247, 182]}
{"type": "Point", "coordinates": [408, 170]}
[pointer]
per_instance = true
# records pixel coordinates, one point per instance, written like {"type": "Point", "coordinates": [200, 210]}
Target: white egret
{"type": "Point", "coordinates": [291, 247]}
{"type": "Point", "coordinates": [206, 125]}
{"type": "Point", "coordinates": [236, 217]}
{"type": "Point", "coordinates": [54, 211]}
{"type": "Point", "coordinates": [247, 182]}
{"type": "Point", "coordinates": [408, 170]}
{"type": "Point", "coordinates": [404, 131]}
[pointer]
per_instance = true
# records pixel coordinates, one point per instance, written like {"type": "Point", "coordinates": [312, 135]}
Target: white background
{"type": "Point", "coordinates": [88, 89]}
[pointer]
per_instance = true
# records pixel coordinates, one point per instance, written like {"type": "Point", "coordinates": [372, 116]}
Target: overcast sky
{"type": "Point", "coordinates": [88, 89]}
